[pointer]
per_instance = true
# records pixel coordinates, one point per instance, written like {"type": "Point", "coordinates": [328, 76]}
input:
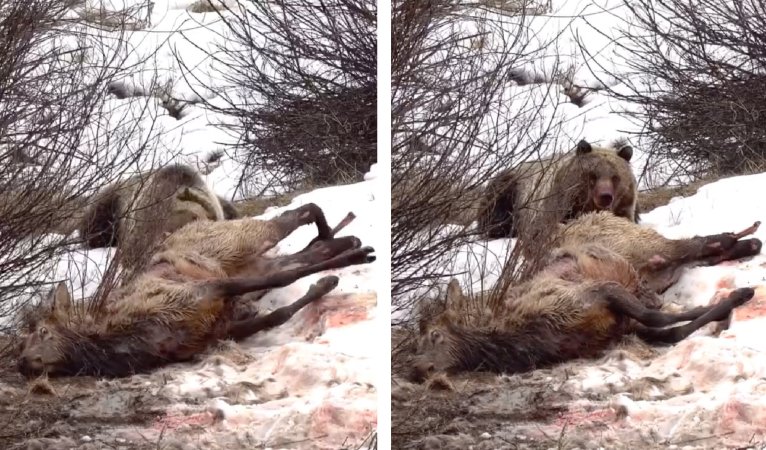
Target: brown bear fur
{"type": "Point", "coordinates": [535, 196]}
{"type": "Point", "coordinates": [100, 222]}
{"type": "Point", "coordinates": [137, 213]}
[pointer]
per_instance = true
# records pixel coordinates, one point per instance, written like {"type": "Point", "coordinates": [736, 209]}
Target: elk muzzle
{"type": "Point", "coordinates": [30, 367]}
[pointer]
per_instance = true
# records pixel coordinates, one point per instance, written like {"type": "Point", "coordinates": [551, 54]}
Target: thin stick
{"type": "Point", "coordinates": [343, 223]}
{"type": "Point", "coordinates": [749, 230]}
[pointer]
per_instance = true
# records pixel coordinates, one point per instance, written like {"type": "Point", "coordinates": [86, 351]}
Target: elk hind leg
{"type": "Point", "coordinates": [232, 287]}
{"type": "Point", "coordinates": [244, 328]}
{"type": "Point", "coordinates": [651, 321]}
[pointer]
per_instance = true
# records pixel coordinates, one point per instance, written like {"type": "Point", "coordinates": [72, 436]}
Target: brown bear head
{"type": "Point", "coordinates": [599, 179]}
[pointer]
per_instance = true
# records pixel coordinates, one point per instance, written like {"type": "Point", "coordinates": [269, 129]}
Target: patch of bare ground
{"type": "Point", "coordinates": [204, 6]}
{"type": "Point", "coordinates": [654, 198]}
{"type": "Point", "coordinates": [542, 409]}
{"type": "Point", "coordinates": [258, 205]}
{"type": "Point", "coordinates": [478, 410]}
{"type": "Point", "coordinates": [32, 420]}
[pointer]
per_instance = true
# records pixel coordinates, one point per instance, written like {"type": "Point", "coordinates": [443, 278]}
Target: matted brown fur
{"type": "Point", "coordinates": [641, 246]}
{"type": "Point", "coordinates": [137, 213]}
{"type": "Point", "coordinates": [584, 300]}
{"type": "Point", "coordinates": [186, 297]}
{"type": "Point", "coordinates": [528, 200]}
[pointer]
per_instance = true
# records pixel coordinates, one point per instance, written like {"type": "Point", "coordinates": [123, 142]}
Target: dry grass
{"type": "Point", "coordinates": [64, 214]}
{"type": "Point", "coordinates": [514, 7]}
{"type": "Point", "coordinates": [115, 20]}
{"type": "Point", "coordinates": [459, 202]}
{"type": "Point", "coordinates": [654, 198]}
{"type": "Point", "coordinates": [258, 205]}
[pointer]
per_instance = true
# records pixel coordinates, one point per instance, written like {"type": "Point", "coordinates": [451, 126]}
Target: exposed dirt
{"type": "Point", "coordinates": [31, 420]}
{"type": "Point", "coordinates": [535, 410]}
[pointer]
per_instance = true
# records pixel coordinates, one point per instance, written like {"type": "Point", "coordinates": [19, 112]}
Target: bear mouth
{"type": "Point", "coordinates": [604, 201]}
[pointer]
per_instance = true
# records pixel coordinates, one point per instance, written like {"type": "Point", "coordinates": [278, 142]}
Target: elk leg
{"type": "Point", "coordinates": [315, 254]}
{"type": "Point", "coordinates": [289, 221]}
{"type": "Point", "coordinates": [715, 313]}
{"type": "Point", "coordinates": [241, 329]}
{"type": "Point", "coordinates": [666, 273]}
{"type": "Point", "coordinates": [343, 223]}
{"type": "Point", "coordinates": [719, 244]}
{"type": "Point", "coordinates": [228, 288]}
{"type": "Point", "coordinates": [742, 249]}
{"type": "Point", "coordinates": [623, 303]}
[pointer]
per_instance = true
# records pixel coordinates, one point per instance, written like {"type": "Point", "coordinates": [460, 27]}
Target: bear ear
{"type": "Point", "coordinates": [583, 147]}
{"type": "Point", "coordinates": [625, 151]}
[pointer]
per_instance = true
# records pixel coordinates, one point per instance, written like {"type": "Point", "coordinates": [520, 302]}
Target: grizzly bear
{"type": "Point", "coordinates": [136, 213]}
{"type": "Point", "coordinates": [535, 196]}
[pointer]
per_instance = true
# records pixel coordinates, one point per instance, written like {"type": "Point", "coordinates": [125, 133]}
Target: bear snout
{"type": "Point", "coordinates": [604, 195]}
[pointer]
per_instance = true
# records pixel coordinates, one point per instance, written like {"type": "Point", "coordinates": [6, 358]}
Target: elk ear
{"type": "Point", "coordinates": [625, 151]}
{"type": "Point", "coordinates": [583, 147]}
{"type": "Point", "coordinates": [436, 337]}
{"type": "Point", "coordinates": [61, 301]}
{"type": "Point", "coordinates": [454, 293]}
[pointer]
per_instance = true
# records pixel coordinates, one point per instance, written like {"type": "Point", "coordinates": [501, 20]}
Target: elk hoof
{"type": "Point", "coordinates": [325, 285]}
{"type": "Point", "coordinates": [741, 296]}
{"type": "Point", "coordinates": [367, 250]}
{"type": "Point", "coordinates": [745, 248]}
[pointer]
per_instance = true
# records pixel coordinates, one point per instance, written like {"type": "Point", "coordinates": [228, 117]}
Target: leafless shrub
{"type": "Point", "coordinates": [457, 119]}
{"type": "Point", "coordinates": [53, 76]}
{"type": "Point", "coordinates": [135, 17]}
{"type": "Point", "coordinates": [696, 70]}
{"type": "Point", "coordinates": [302, 87]}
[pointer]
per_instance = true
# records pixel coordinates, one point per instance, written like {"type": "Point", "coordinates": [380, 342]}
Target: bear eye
{"type": "Point", "coordinates": [43, 331]}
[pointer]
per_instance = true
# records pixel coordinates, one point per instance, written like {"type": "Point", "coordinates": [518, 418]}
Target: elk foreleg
{"type": "Point", "coordinates": [231, 287]}
{"type": "Point", "coordinates": [725, 246]}
{"type": "Point", "coordinates": [244, 328]}
{"type": "Point", "coordinates": [290, 220]}
{"type": "Point", "coordinates": [662, 271]}
{"type": "Point", "coordinates": [314, 254]}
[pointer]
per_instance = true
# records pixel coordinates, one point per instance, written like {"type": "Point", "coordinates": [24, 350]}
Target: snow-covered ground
{"type": "Point", "coordinates": [307, 384]}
